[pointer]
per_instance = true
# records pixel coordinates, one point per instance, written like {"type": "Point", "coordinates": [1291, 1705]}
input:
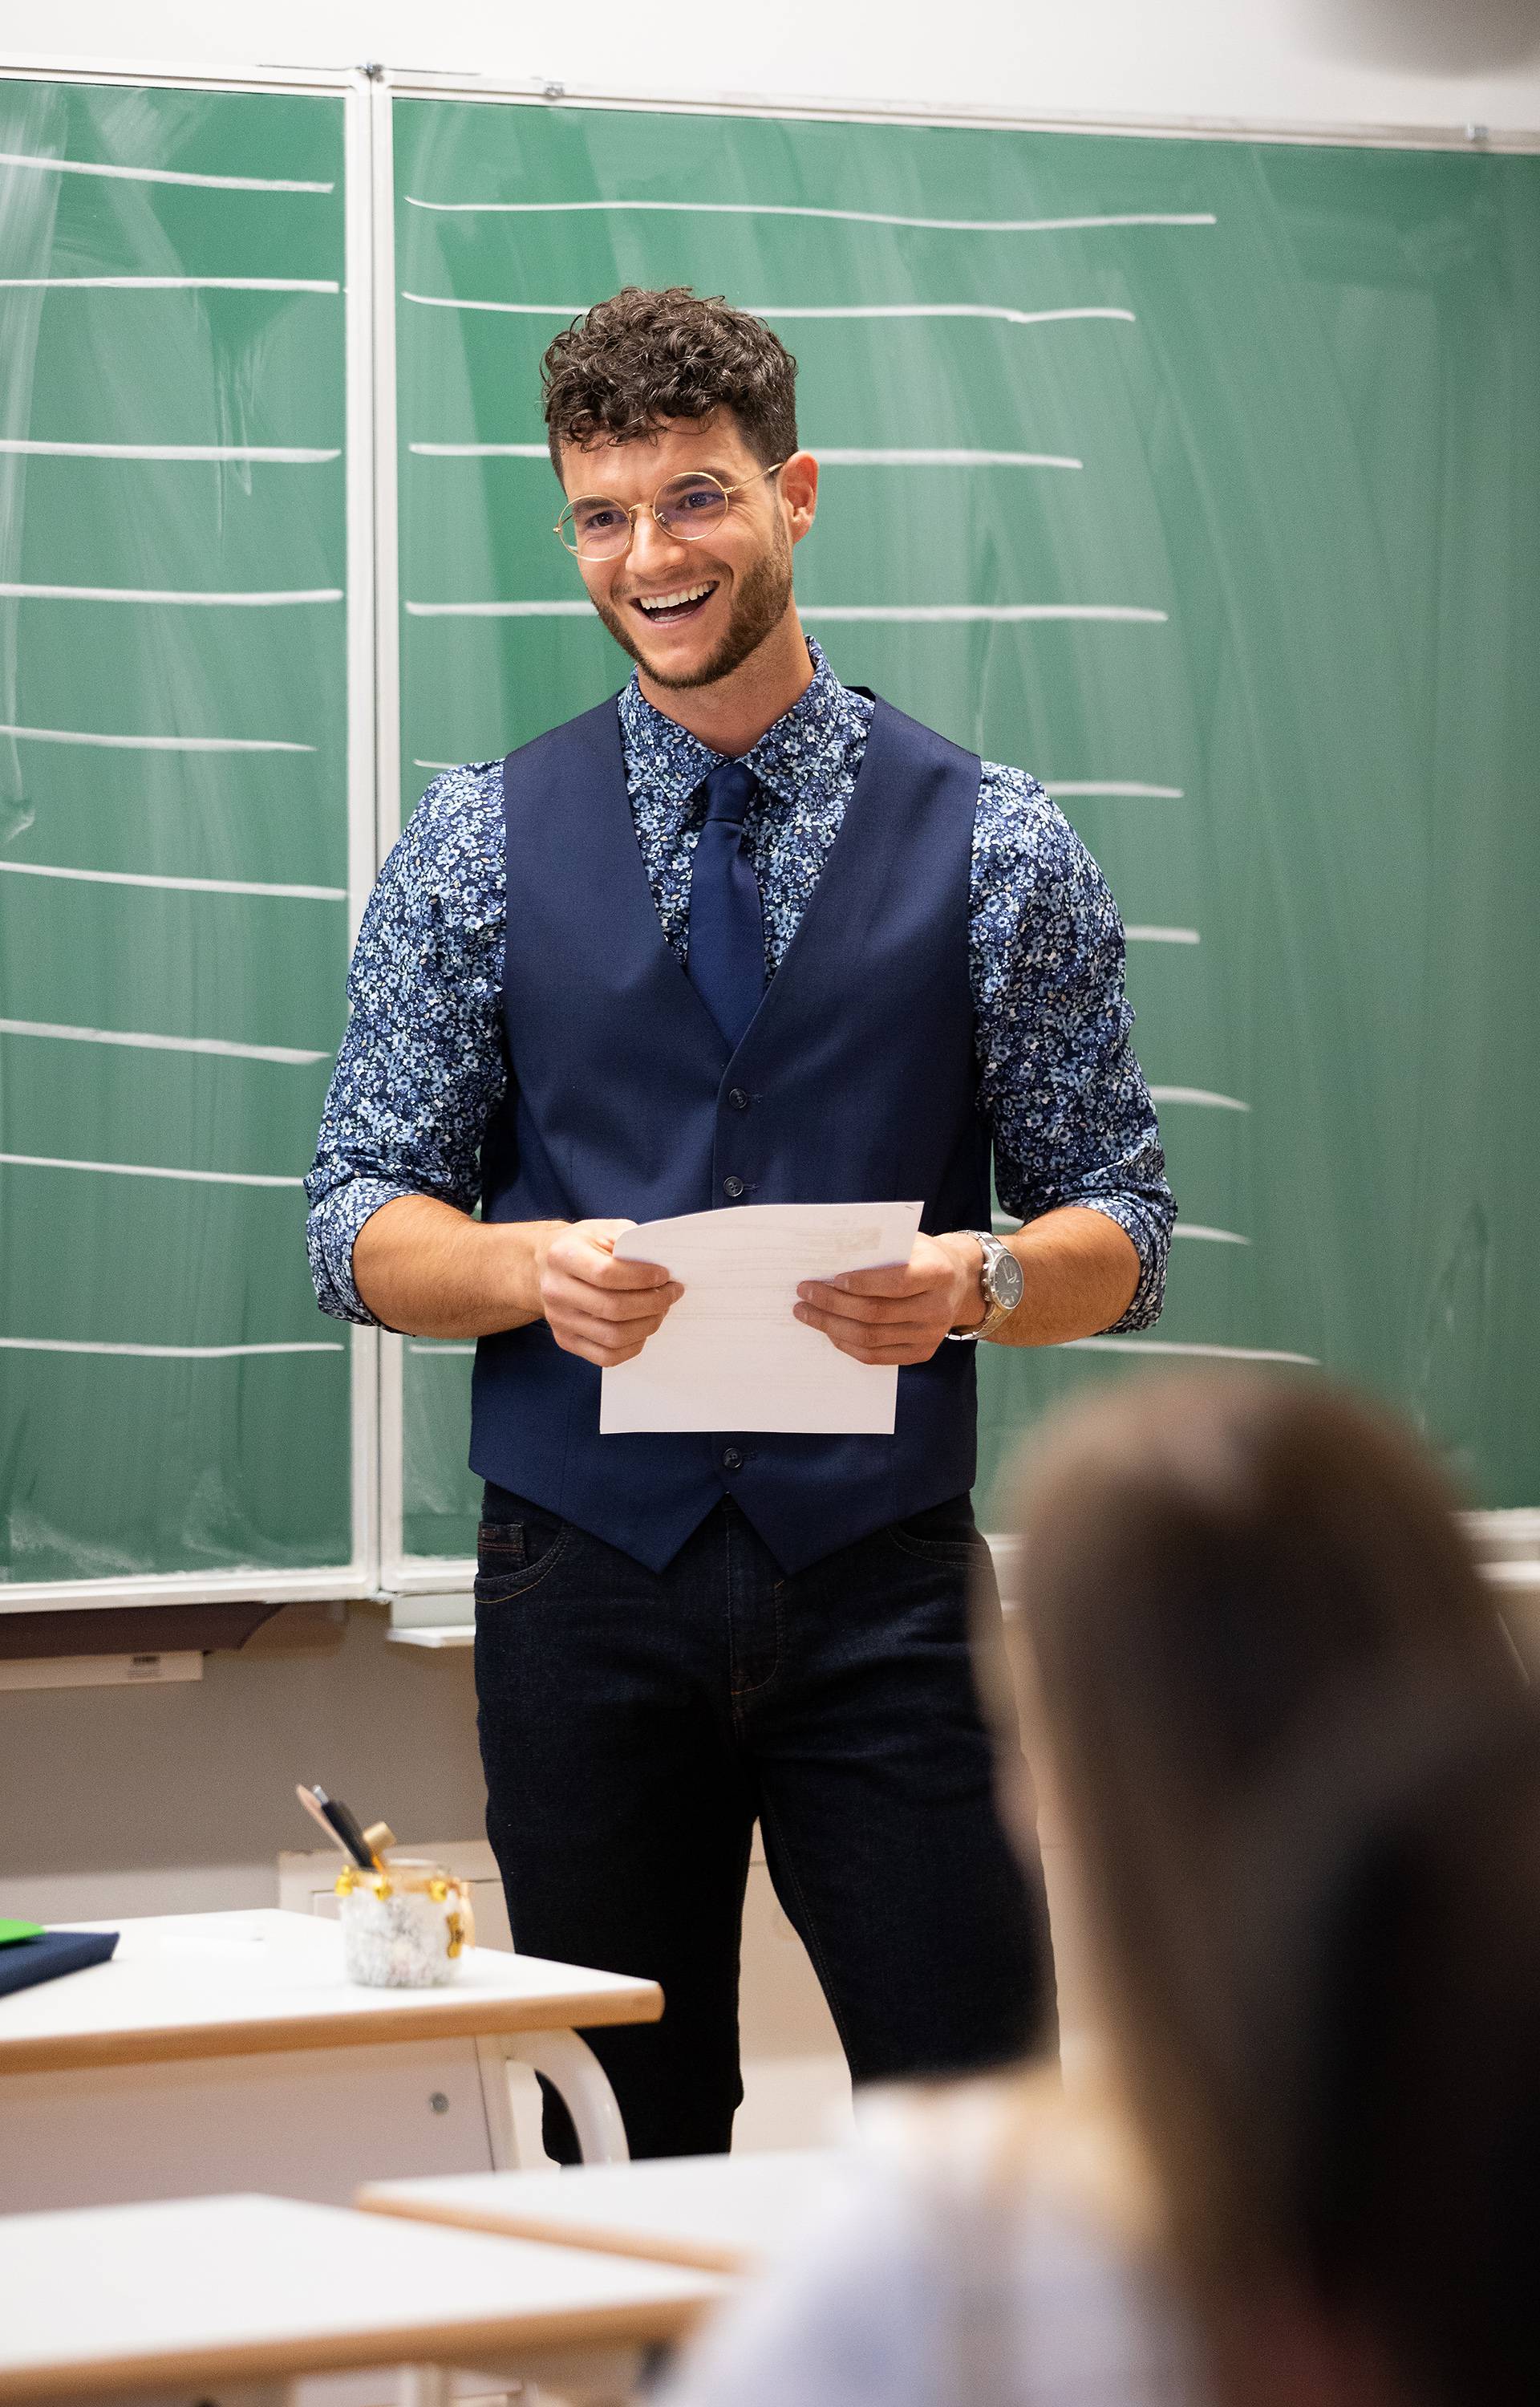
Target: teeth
{"type": "Point", "coordinates": [673, 601]}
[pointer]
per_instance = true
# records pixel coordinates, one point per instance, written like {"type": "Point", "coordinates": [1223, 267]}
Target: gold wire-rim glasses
{"type": "Point", "coordinates": [690, 477]}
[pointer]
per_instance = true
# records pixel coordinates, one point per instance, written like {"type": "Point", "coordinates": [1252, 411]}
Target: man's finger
{"type": "Point", "coordinates": [601, 1340]}
{"type": "Point", "coordinates": [848, 1333]}
{"type": "Point", "coordinates": [864, 1311]}
{"type": "Point", "coordinates": [893, 1279]}
{"type": "Point", "coordinates": [565, 1295]}
{"type": "Point", "coordinates": [584, 1261]}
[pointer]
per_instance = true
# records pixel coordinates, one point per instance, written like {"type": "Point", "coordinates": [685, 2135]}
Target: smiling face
{"type": "Point", "coordinates": [690, 613]}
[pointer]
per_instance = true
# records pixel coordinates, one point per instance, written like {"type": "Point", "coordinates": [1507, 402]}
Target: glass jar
{"type": "Point", "coordinates": [406, 1926]}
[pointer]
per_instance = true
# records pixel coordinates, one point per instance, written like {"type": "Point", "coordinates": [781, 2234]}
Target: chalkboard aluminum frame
{"type": "Point", "coordinates": [358, 1578]}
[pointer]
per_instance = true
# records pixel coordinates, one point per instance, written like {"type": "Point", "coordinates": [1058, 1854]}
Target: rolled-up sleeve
{"type": "Point", "coordinates": [421, 1067]}
{"type": "Point", "coordinates": [1064, 1096]}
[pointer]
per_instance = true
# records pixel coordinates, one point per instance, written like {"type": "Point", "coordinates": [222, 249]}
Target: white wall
{"type": "Point", "coordinates": [1431, 62]}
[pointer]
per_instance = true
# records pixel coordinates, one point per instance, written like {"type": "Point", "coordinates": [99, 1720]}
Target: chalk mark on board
{"type": "Point", "coordinates": [902, 613]}
{"type": "Point", "coordinates": [1197, 1095]}
{"type": "Point", "coordinates": [830, 456]}
{"type": "Point", "coordinates": [794, 210]}
{"type": "Point", "coordinates": [1175, 1346]}
{"type": "Point", "coordinates": [128, 593]}
{"type": "Point", "coordinates": [1143, 935]}
{"type": "Point", "coordinates": [159, 175]}
{"type": "Point", "coordinates": [946, 613]}
{"type": "Point", "coordinates": [220, 1045]}
{"type": "Point", "coordinates": [152, 743]}
{"type": "Point", "coordinates": [1117, 786]}
{"type": "Point", "coordinates": [150, 1170]}
{"type": "Point", "coordinates": [1212, 1236]}
{"type": "Point", "coordinates": [186, 885]}
{"type": "Point", "coordinates": [281, 455]}
{"type": "Point", "coordinates": [167, 284]}
{"type": "Point", "coordinates": [172, 1353]}
{"type": "Point", "coordinates": [769, 309]}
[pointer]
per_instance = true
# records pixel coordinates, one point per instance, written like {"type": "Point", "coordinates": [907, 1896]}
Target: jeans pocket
{"type": "Point", "coordinates": [942, 1533]}
{"type": "Point", "coordinates": [512, 1557]}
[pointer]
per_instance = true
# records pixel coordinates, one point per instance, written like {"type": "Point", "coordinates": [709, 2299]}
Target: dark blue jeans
{"type": "Point", "coordinates": [633, 1724]}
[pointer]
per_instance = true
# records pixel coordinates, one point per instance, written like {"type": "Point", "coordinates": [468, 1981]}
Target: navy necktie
{"type": "Point", "coordinates": [726, 959]}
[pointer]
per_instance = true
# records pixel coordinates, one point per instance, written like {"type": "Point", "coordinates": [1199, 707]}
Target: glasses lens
{"type": "Point", "coordinates": [595, 529]}
{"type": "Point", "coordinates": [689, 506]}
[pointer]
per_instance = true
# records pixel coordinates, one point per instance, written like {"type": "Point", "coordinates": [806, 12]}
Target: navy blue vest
{"type": "Point", "coordinates": [855, 1082]}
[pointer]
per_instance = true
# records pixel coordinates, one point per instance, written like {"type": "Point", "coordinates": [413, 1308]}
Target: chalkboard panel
{"type": "Point", "coordinates": [1271, 410]}
{"type": "Point", "coordinates": [172, 828]}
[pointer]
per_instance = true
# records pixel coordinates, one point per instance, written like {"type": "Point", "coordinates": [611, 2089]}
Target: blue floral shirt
{"type": "Point", "coordinates": [422, 1066]}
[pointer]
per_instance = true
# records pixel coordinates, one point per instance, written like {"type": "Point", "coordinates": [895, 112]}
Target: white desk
{"type": "Point", "coordinates": [176, 2297]}
{"type": "Point", "coordinates": [271, 2070]}
{"type": "Point", "coordinates": [727, 2215]}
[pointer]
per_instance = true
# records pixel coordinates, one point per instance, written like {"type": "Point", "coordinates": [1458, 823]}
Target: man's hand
{"type": "Point", "coordinates": [601, 1309]}
{"type": "Point", "coordinates": [903, 1313]}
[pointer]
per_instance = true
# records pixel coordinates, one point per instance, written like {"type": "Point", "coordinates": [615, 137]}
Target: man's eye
{"type": "Point", "coordinates": [599, 522]}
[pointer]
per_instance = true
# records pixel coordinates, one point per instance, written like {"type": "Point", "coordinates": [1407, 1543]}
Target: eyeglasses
{"type": "Point", "coordinates": [687, 507]}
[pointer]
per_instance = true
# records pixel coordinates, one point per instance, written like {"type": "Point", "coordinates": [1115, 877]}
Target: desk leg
{"type": "Point", "coordinates": [572, 2068]}
{"type": "Point", "coordinates": [424, 2386]}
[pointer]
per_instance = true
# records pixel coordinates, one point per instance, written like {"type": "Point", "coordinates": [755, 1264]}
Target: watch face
{"type": "Point", "coordinates": [1005, 1281]}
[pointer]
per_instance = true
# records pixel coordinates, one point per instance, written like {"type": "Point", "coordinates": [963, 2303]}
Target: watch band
{"type": "Point", "coordinates": [996, 1311]}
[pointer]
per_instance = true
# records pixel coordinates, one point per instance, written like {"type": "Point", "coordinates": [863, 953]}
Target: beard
{"type": "Point", "coordinates": [761, 598]}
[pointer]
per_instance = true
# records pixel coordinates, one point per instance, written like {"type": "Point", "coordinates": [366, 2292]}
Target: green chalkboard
{"type": "Point", "coordinates": [1276, 403]}
{"type": "Point", "coordinates": [173, 827]}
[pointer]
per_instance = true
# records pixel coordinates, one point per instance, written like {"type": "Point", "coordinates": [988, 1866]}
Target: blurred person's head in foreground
{"type": "Point", "coordinates": [1384, 2068]}
{"type": "Point", "coordinates": [1210, 1563]}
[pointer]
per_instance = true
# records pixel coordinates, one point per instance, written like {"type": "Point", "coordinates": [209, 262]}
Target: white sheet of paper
{"type": "Point", "coordinates": [729, 1356]}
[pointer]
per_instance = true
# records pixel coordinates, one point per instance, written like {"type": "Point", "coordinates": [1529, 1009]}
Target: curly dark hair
{"type": "Point", "coordinates": [641, 357]}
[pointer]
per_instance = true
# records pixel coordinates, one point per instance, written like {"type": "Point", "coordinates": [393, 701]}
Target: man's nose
{"type": "Point", "coordinates": [653, 550]}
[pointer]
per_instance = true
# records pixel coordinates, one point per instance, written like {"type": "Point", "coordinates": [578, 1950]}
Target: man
{"type": "Point", "coordinates": [744, 935]}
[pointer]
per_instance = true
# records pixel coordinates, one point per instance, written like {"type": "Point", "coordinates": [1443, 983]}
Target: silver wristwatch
{"type": "Point", "coordinates": [1003, 1285]}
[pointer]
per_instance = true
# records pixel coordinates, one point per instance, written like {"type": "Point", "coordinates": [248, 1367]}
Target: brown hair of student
{"type": "Point", "coordinates": [1209, 1561]}
{"type": "Point", "coordinates": [1387, 2067]}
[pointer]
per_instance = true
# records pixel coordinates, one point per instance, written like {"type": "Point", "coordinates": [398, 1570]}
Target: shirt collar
{"type": "Point", "coordinates": [807, 745]}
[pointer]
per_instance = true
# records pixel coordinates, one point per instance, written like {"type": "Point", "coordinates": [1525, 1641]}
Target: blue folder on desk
{"type": "Point", "coordinates": [27, 1961]}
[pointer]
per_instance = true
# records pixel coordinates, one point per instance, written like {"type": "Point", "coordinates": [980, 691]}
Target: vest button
{"type": "Point", "coordinates": [731, 1459]}
{"type": "Point", "coordinates": [738, 1098]}
{"type": "Point", "coordinates": [733, 1187]}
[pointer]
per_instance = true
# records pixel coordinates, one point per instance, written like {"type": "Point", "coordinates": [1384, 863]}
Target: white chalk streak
{"type": "Point", "coordinates": [792, 209]}
{"type": "Point", "coordinates": [500, 610]}
{"type": "Point", "coordinates": [831, 456]}
{"type": "Point", "coordinates": [167, 284]}
{"type": "Point", "coordinates": [441, 1350]}
{"type": "Point", "coordinates": [1213, 1236]}
{"type": "Point", "coordinates": [438, 765]}
{"type": "Point", "coordinates": [1010, 613]}
{"type": "Point", "coordinates": [846, 455]}
{"type": "Point", "coordinates": [1162, 935]}
{"type": "Point", "coordinates": [163, 1353]}
{"type": "Point", "coordinates": [1170, 1346]}
{"type": "Point", "coordinates": [915, 614]}
{"type": "Point", "coordinates": [942, 309]}
{"type": "Point", "coordinates": [1197, 1095]}
{"type": "Point", "coordinates": [182, 885]}
{"type": "Point", "coordinates": [220, 1045]}
{"type": "Point", "coordinates": [159, 175]}
{"type": "Point", "coordinates": [1114, 786]}
{"type": "Point", "coordinates": [150, 1170]}
{"type": "Point", "coordinates": [151, 742]}
{"type": "Point", "coordinates": [775, 310]}
{"type": "Point", "coordinates": [126, 593]}
{"type": "Point", "coordinates": [277, 454]}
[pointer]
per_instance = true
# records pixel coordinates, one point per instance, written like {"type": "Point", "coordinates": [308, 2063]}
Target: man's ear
{"type": "Point", "coordinates": [799, 488]}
